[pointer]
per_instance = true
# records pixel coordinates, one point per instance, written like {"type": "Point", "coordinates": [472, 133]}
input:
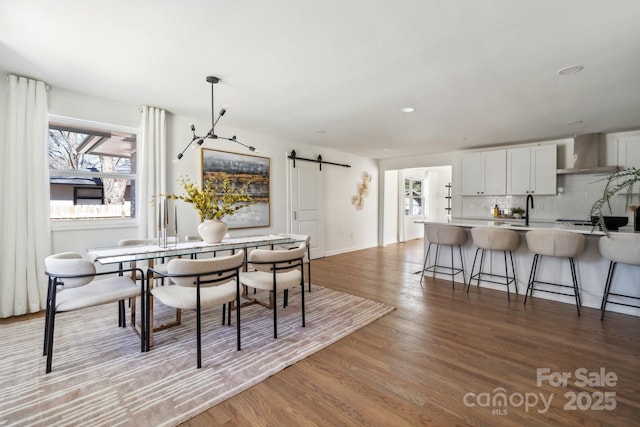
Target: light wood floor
{"type": "Point", "coordinates": [416, 365]}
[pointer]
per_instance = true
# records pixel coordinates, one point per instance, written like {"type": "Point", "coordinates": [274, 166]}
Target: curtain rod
{"type": "Point", "coordinates": [319, 160]}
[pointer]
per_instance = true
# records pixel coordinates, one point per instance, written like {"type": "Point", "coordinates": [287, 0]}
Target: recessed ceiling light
{"type": "Point", "coordinates": [575, 122]}
{"type": "Point", "coordinates": [570, 70]}
{"type": "Point", "coordinates": [408, 109]}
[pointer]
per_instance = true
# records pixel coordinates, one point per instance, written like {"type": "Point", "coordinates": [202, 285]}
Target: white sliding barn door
{"type": "Point", "coordinates": [306, 193]}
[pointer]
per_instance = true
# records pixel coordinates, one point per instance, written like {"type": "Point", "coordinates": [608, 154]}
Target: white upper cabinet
{"type": "Point", "coordinates": [532, 170]}
{"type": "Point", "coordinates": [629, 150]}
{"type": "Point", "coordinates": [483, 173]}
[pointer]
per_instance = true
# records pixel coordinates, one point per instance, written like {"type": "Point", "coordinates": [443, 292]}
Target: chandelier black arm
{"type": "Point", "coordinates": [211, 134]}
{"type": "Point", "coordinates": [189, 145]}
{"type": "Point", "coordinates": [233, 139]}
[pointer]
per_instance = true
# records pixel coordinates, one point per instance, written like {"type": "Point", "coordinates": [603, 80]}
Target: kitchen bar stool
{"type": "Point", "coordinates": [494, 239]}
{"type": "Point", "coordinates": [447, 235]}
{"type": "Point", "coordinates": [618, 248]}
{"type": "Point", "coordinates": [554, 243]}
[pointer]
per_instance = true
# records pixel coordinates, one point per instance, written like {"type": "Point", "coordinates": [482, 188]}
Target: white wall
{"type": "Point", "coordinates": [390, 207]}
{"type": "Point", "coordinates": [346, 229]}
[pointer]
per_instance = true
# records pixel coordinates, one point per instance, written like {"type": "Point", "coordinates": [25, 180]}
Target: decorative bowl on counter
{"type": "Point", "coordinates": [611, 222]}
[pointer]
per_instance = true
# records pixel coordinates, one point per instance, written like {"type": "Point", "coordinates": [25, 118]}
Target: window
{"type": "Point", "coordinates": [92, 170]}
{"type": "Point", "coordinates": [413, 197]}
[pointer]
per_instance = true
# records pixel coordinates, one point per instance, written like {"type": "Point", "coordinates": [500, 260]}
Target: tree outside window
{"type": "Point", "coordinates": [413, 197]}
{"type": "Point", "coordinates": [91, 172]}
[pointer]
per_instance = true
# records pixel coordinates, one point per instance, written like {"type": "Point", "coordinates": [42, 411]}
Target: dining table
{"type": "Point", "coordinates": [151, 251]}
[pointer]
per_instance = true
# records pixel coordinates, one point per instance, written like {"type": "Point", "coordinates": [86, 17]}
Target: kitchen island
{"type": "Point", "coordinates": [591, 267]}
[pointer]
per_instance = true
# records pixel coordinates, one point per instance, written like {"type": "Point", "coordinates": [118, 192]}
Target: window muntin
{"type": "Point", "coordinates": [92, 171]}
{"type": "Point", "coordinates": [413, 197]}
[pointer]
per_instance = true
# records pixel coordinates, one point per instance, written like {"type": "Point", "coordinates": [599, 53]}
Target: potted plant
{"type": "Point", "coordinates": [622, 181]}
{"type": "Point", "coordinates": [215, 200]}
{"type": "Point", "coordinates": [517, 212]}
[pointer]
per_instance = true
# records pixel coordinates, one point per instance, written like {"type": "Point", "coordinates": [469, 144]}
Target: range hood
{"type": "Point", "coordinates": [586, 149]}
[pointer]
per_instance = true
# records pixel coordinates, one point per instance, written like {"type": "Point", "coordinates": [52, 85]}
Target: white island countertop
{"type": "Point", "coordinates": [519, 225]}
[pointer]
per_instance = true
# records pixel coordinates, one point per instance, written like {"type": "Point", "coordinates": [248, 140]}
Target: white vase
{"type": "Point", "coordinates": [212, 230]}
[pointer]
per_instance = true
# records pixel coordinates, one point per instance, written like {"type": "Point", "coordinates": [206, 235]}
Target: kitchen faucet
{"type": "Point", "coordinates": [526, 218]}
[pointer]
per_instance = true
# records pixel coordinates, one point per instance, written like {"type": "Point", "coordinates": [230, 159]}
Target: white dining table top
{"type": "Point", "coordinates": [117, 254]}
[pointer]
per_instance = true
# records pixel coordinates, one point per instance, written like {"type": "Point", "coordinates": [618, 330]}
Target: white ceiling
{"type": "Point", "coordinates": [336, 72]}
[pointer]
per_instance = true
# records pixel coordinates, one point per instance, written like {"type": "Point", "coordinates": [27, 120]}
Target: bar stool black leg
{"type": "Point", "coordinates": [506, 273]}
{"type": "Point", "coordinates": [532, 275]}
{"type": "Point", "coordinates": [481, 264]}
{"type": "Point", "coordinates": [435, 265]}
{"type": "Point", "coordinates": [424, 266]}
{"type": "Point", "coordinates": [464, 280]}
{"type": "Point", "coordinates": [574, 277]}
{"type": "Point", "coordinates": [607, 289]}
{"type": "Point", "coordinates": [513, 271]}
{"type": "Point", "coordinates": [453, 285]}
{"type": "Point", "coordinates": [473, 267]}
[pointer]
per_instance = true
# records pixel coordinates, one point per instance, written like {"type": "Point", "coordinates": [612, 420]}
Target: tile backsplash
{"type": "Point", "coordinates": [576, 195]}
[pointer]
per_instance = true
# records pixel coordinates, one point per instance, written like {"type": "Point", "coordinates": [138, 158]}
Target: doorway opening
{"type": "Point", "coordinates": [414, 194]}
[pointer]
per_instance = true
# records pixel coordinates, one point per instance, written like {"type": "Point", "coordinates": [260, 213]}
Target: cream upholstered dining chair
{"type": "Point", "coordinates": [307, 258]}
{"type": "Point", "coordinates": [73, 286]}
{"type": "Point", "coordinates": [200, 284]}
{"type": "Point", "coordinates": [276, 270]}
{"type": "Point", "coordinates": [133, 265]}
{"type": "Point", "coordinates": [559, 244]}
{"type": "Point", "coordinates": [618, 249]}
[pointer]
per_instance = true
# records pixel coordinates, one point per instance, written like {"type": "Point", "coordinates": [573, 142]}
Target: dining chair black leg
{"type": "Point", "coordinates": [238, 312]}
{"type": "Point", "coordinates": [52, 319]}
{"type": "Point", "coordinates": [198, 327]}
{"type": "Point", "coordinates": [275, 306]}
{"type": "Point", "coordinates": [302, 298]}
{"type": "Point", "coordinates": [50, 289]}
{"type": "Point", "coordinates": [309, 266]}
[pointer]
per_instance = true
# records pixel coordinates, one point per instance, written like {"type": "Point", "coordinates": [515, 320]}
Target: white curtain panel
{"type": "Point", "coordinates": [153, 165]}
{"type": "Point", "coordinates": [25, 238]}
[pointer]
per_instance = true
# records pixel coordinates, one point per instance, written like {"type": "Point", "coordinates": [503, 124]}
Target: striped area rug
{"type": "Point", "coordinates": [100, 378]}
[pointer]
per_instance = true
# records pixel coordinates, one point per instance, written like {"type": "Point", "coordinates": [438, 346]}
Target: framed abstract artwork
{"type": "Point", "coordinates": [242, 169]}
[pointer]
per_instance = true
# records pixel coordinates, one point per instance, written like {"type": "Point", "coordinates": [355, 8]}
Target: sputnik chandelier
{"type": "Point", "coordinates": [214, 121]}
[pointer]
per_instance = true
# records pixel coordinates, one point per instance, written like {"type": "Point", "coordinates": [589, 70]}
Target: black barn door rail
{"type": "Point", "coordinates": [319, 160]}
